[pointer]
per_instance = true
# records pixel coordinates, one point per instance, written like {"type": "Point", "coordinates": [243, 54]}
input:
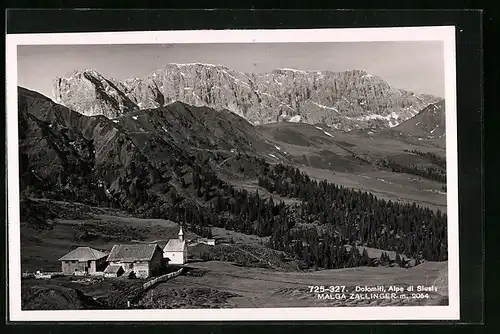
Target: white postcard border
{"type": "Point", "coordinates": [446, 34]}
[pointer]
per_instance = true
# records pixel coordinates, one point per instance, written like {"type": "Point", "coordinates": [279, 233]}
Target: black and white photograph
{"type": "Point", "coordinates": [233, 175]}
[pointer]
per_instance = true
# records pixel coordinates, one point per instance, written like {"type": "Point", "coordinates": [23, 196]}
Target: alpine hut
{"type": "Point", "coordinates": [144, 260]}
{"type": "Point", "coordinates": [83, 261]}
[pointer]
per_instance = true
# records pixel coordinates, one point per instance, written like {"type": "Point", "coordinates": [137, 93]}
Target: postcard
{"type": "Point", "coordinates": [233, 175]}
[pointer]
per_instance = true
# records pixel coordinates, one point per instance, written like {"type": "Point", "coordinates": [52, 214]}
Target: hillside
{"type": "Point", "coordinates": [429, 123]}
{"type": "Point", "coordinates": [343, 100]}
{"type": "Point", "coordinates": [127, 161]}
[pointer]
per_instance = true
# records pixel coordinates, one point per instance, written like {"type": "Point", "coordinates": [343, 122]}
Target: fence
{"type": "Point", "coordinates": [42, 275]}
{"type": "Point", "coordinates": [28, 275]}
{"type": "Point", "coordinates": [162, 278]}
{"type": "Point", "coordinates": [48, 275]}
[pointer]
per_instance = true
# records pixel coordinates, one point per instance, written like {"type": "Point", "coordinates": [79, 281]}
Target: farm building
{"type": "Point", "coordinates": [206, 241]}
{"type": "Point", "coordinates": [176, 250]}
{"type": "Point", "coordinates": [83, 261]}
{"type": "Point", "coordinates": [113, 271]}
{"type": "Point", "coordinates": [143, 260]}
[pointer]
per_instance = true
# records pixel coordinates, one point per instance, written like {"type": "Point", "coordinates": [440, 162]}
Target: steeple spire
{"type": "Point", "coordinates": [181, 235]}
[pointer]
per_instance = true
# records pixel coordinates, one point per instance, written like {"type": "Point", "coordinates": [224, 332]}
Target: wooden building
{"type": "Point", "coordinates": [113, 271]}
{"type": "Point", "coordinates": [83, 261]}
{"type": "Point", "coordinates": [144, 260]}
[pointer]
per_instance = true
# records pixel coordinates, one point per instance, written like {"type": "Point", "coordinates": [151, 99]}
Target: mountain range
{"type": "Point", "coordinates": [342, 100]}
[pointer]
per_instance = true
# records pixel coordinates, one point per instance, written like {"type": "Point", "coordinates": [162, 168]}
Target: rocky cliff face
{"type": "Point", "coordinates": [346, 100]}
{"type": "Point", "coordinates": [90, 93]}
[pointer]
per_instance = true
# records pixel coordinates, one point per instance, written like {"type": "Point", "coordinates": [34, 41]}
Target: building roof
{"type": "Point", "coordinates": [174, 245]}
{"type": "Point", "coordinates": [129, 253]}
{"type": "Point", "coordinates": [83, 254]}
{"type": "Point", "coordinates": [113, 269]}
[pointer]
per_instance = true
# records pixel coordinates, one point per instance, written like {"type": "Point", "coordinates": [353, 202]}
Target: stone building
{"type": "Point", "coordinates": [143, 260]}
{"type": "Point", "coordinates": [83, 261]}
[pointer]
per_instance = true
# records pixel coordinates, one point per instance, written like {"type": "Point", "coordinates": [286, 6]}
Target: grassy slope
{"type": "Point", "coordinates": [259, 287]}
{"type": "Point", "coordinates": [330, 157]}
{"type": "Point", "coordinates": [387, 185]}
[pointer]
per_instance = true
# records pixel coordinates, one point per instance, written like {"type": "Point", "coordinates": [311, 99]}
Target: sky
{"type": "Point", "coordinates": [414, 66]}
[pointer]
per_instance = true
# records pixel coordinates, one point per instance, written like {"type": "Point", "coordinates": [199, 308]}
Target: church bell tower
{"type": "Point", "coordinates": [181, 235]}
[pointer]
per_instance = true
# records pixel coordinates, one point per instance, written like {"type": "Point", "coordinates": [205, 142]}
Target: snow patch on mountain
{"type": "Point", "coordinates": [392, 115]}
{"type": "Point", "coordinates": [272, 155]}
{"type": "Point", "coordinates": [325, 107]}
{"type": "Point", "coordinates": [198, 64]}
{"type": "Point", "coordinates": [292, 70]}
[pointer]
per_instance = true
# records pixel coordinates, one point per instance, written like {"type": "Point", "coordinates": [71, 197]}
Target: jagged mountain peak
{"type": "Point", "coordinates": [90, 93]}
{"type": "Point", "coordinates": [344, 100]}
{"type": "Point", "coordinates": [356, 71]}
{"type": "Point", "coordinates": [181, 65]}
{"type": "Point", "coordinates": [178, 67]}
{"type": "Point", "coordinates": [88, 71]}
{"type": "Point", "coordinates": [287, 70]}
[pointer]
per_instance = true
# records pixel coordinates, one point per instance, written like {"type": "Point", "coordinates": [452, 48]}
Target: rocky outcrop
{"type": "Point", "coordinates": [344, 100]}
{"type": "Point", "coordinates": [90, 93]}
